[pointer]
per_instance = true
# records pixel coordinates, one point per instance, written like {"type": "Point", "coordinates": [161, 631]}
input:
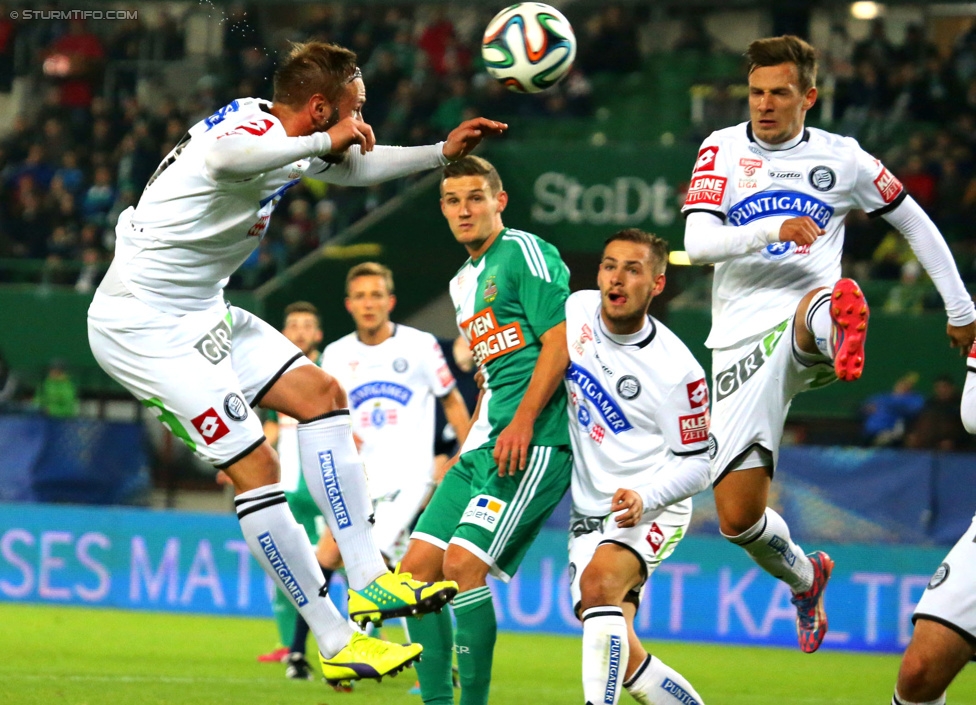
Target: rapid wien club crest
{"type": "Point", "coordinates": [491, 289]}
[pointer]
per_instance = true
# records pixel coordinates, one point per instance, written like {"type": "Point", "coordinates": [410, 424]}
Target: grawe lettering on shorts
{"type": "Point", "coordinates": [281, 569]}
{"type": "Point", "coordinates": [679, 693]}
{"type": "Point", "coordinates": [614, 670]}
{"type": "Point", "coordinates": [770, 203]}
{"type": "Point", "coordinates": [379, 390]}
{"type": "Point", "coordinates": [332, 489]}
{"type": "Point", "coordinates": [490, 341]}
{"type": "Point", "coordinates": [729, 380]}
{"type": "Point", "coordinates": [216, 344]}
{"type": "Point", "coordinates": [604, 402]}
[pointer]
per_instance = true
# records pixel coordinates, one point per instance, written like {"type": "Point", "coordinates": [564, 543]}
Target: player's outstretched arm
{"type": "Point", "coordinates": [465, 137]}
{"type": "Point", "coordinates": [708, 240]}
{"type": "Point", "coordinates": [240, 154]}
{"type": "Point", "coordinates": [512, 445]}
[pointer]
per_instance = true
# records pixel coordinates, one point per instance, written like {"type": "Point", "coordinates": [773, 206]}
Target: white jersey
{"type": "Point", "coordinates": [823, 176]}
{"type": "Point", "coordinates": [209, 203]}
{"type": "Point", "coordinates": [633, 407]}
{"type": "Point", "coordinates": [391, 389]}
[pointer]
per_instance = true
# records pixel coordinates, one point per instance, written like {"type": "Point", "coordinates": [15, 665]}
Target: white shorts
{"type": "Point", "coordinates": [753, 385]}
{"type": "Point", "coordinates": [393, 516]}
{"type": "Point", "coordinates": [652, 540]}
{"type": "Point", "coordinates": [199, 373]}
{"type": "Point", "coordinates": [950, 597]}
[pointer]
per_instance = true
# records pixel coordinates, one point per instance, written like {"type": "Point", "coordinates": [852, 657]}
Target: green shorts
{"type": "Point", "coordinates": [496, 518]}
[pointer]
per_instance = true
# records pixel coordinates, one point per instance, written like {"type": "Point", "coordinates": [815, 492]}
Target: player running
{"type": "Point", "coordinates": [515, 464]}
{"type": "Point", "coordinates": [944, 639]}
{"type": "Point", "coordinates": [159, 325]}
{"type": "Point", "coordinates": [766, 204]}
{"type": "Point", "coordinates": [638, 421]}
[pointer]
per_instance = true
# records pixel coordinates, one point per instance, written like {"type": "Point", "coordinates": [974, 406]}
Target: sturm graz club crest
{"type": "Point", "coordinates": [628, 387]}
{"type": "Point", "coordinates": [235, 407]}
{"type": "Point", "coordinates": [822, 178]}
{"type": "Point", "coordinates": [712, 445]}
{"type": "Point", "coordinates": [941, 573]}
{"type": "Point", "coordinates": [400, 365]}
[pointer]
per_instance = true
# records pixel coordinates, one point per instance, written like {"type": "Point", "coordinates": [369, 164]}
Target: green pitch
{"type": "Point", "coordinates": [74, 656]}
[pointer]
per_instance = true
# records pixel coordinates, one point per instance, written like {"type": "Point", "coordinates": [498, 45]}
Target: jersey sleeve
{"type": "Point", "coordinates": [683, 417]}
{"type": "Point", "coordinates": [435, 367]}
{"type": "Point", "coordinates": [708, 188]}
{"type": "Point", "coordinates": [876, 191]}
{"type": "Point", "coordinates": [543, 284]}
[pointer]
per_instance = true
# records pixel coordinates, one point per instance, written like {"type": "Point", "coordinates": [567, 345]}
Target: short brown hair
{"type": "Point", "coordinates": [310, 68]}
{"type": "Point", "coordinates": [303, 307]}
{"type": "Point", "coordinates": [474, 166]}
{"type": "Point", "coordinates": [657, 246]}
{"type": "Point", "coordinates": [788, 49]}
{"type": "Point", "coordinates": [371, 269]}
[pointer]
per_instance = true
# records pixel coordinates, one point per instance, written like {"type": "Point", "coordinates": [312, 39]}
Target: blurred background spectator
{"type": "Point", "coordinates": [57, 396]}
{"type": "Point", "coordinates": [887, 416]}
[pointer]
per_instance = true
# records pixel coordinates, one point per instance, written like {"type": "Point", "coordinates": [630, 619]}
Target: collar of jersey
{"type": "Point", "coordinates": [498, 238]}
{"type": "Point", "coordinates": [633, 338]}
{"type": "Point", "coordinates": [795, 142]}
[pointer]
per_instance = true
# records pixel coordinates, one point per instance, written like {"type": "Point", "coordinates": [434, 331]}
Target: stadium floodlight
{"type": "Point", "coordinates": [865, 10]}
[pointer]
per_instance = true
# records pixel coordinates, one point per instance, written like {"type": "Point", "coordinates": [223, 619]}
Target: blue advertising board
{"type": "Point", "coordinates": [708, 590]}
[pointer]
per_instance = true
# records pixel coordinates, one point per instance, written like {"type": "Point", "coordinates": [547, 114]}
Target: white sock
{"type": "Point", "coordinates": [281, 547]}
{"type": "Point", "coordinates": [820, 324]}
{"type": "Point", "coordinates": [605, 653]}
{"type": "Point", "coordinates": [897, 699]}
{"type": "Point", "coordinates": [770, 545]}
{"type": "Point", "coordinates": [656, 683]}
{"type": "Point", "coordinates": [336, 480]}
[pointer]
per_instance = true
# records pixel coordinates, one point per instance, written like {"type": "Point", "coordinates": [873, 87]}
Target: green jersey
{"type": "Point", "coordinates": [504, 301]}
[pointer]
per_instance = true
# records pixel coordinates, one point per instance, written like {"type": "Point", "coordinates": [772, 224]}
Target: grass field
{"type": "Point", "coordinates": [73, 656]}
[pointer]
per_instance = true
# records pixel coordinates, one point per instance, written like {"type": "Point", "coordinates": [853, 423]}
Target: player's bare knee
{"type": "Point", "coordinates": [464, 568]}
{"type": "Point", "coordinates": [423, 561]}
{"type": "Point", "coordinates": [598, 588]}
{"type": "Point", "coordinates": [257, 469]}
{"type": "Point", "coordinates": [733, 524]}
{"type": "Point", "coordinates": [915, 677]}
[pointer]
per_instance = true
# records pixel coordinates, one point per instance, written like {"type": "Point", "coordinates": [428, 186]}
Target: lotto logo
{"type": "Point", "coordinates": [706, 159]}
{"type": "Point", "coordinates": [444, 376]}
{"type": "Point", "coordinates": [694, 428]}
{"type": "Point", "coordinates": [888, 186]}
{"type": "Point", "coordinates": [655, 537]}
{"type": "Point", "coordinates": [252, 127]}
{"type": "Point", "coordinates": [210, 426]}
{"type": "Point", "coordinates": [706, 189]}
{"type": "Point", "coordinates": [698, 393]}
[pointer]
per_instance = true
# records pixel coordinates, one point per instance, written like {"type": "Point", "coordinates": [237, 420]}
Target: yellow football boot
{"type": "Point", "coordinates": [397, 594]}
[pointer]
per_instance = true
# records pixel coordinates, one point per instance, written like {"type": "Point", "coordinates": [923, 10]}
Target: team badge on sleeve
{"type": "Point", "coordinates": [888, 185]}
{"type": "Point", "coordinates": [706, 159]}
{"type": "Point", "coordinates": [706, 190]}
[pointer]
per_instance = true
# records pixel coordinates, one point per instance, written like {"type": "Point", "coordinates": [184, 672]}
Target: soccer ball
{"type": "Point", "coordinates": [528, 47]}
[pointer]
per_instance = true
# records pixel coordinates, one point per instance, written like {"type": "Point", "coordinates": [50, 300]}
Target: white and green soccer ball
{"type": "Point", "coordinates": [528, 47]}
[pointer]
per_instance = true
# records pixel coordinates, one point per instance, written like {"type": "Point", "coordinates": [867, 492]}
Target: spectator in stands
{"type": "Point", "coordinates": [8, 35]}
{"type": "Point", "coordinates": [887, 415]}
{"type": "Point", "coordinates": [908, 295]}
{"type": "Point", "coordinates": [610, 43]}
{"type": "Point", "coordinates": [938, 424]}
{"type": "Point", "coordinates": [57, 396]}
{"type": "Point", "coordinates": [75, 61]}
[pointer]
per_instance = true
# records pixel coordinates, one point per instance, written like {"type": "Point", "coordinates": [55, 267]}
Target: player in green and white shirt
{"type": "Point", "coordinates": [515, 464]}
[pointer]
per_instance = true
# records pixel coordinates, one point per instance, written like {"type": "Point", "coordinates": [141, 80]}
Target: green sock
{"type": "Point", "coordinates": [476, 632]}
{"type": "Point", "coordinates": [436, 633]}
{"type": "Point", "coordinates": [284, 614]}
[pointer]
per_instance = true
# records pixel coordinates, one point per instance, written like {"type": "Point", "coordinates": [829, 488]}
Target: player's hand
{"type": "Point", "coordinates": [627, 507]}
{"type": "Point", "coordinates": [961, 337]}
{"type": "Point", "coordinates": [350, 131]}
{"type": "Point", "coordinates": [802, 230]}
{"type": "Point", "coordinates": [468, 135]}
{"type": "Point", "coordinates": [223, 478]}
{"type": "Point", "coordinates": [512, 447]}
{"type": "Point", "coordinates": [479, 379]}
